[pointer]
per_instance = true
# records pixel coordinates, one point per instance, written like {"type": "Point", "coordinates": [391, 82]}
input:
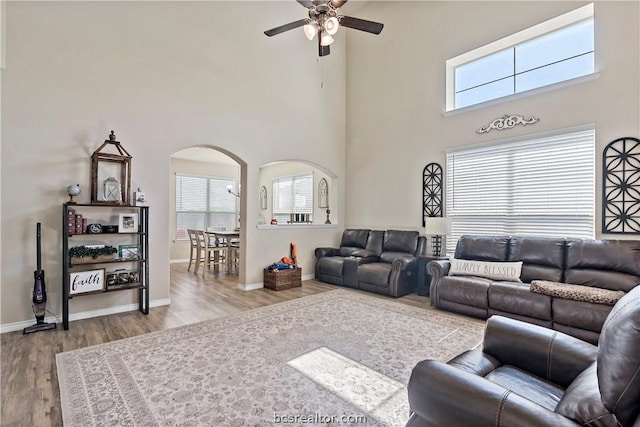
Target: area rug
{"type": "Point", "coordinates": [336, 358]}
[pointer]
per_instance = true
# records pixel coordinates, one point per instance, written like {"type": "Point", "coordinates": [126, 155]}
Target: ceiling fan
{"type": "Point", "coordinates": [324, 22]}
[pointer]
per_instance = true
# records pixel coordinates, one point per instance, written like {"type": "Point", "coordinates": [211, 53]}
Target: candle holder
{"type": "Point", "coordinates": [328, 221]}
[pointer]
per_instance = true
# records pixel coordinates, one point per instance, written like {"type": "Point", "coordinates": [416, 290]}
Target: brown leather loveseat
{"type": "Point", "coordinates": [374, 260]}
{"type": "Point", "coordinates": [597, 265]}
{"type": "Point", "coordinates": [527, 375]}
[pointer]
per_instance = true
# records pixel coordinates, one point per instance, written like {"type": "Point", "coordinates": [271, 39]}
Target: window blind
{"type": "Point", "coordinates": [292, 194]}
{"type": "Point", "coordinates": [203, 202]}
{"type": "Point", "coordinates": [542, 187]}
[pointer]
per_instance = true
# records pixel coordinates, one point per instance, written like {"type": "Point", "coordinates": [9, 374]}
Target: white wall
{"type": "Point", "coordinates": [396, 96]}
{"type": "Point", "coordinates": [164, 76]}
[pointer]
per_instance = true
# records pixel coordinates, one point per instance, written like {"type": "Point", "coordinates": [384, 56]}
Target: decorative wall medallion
{"type": "Point", "coordinates": [263, 197]}
{"type": "Point", "coordinates": [431, 191]}
{"type": "Point", "coordinates": [323, 194]}
{"type": "Point", "coordinates": [621, 186]}
{"type": "Point", "coordinates": [507, 122]}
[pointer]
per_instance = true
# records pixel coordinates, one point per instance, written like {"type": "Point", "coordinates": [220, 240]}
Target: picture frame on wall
{"type": "Point", "coordinates": [82, 282]}
{"type": "Point", "coordinates": [129, 252]}
{"type": "Point", "coordinates": [128, 223]}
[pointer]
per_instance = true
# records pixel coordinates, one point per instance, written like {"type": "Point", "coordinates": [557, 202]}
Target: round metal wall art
{"type": "Point", "coordinates": [621, 186]}
{"type": "Point", "coordinates": [431, 191]}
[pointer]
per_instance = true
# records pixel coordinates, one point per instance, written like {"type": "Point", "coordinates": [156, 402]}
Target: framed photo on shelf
{"type": "Point", "coordinates": [86, 281]}
{"type": "Point", "coordinates": [128, 223]}
{"type": "Point", "coordinates": [129, 252]}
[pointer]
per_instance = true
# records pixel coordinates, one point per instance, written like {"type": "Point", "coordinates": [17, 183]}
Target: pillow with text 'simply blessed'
{"type": "Point", "coordinates": [505, 271]}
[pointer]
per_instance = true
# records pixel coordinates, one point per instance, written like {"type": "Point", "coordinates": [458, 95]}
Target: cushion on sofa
{"type": "Point", "coordinates": [400, 241]}
{"type": "Point", "coordinates": [354, 238]}
{"type": "Point", "coordinates": [482, 248]}
{"type": "Point", "coordinates": [608, 264]}
{"type": "Point", "coordinates": [576, 292]}
{"type": "Point", "coordinates": [357, 252]}
{"type": "Point", "coordinates": [542, 257]}
{"type": "Point", "coordinates": [507, 271]}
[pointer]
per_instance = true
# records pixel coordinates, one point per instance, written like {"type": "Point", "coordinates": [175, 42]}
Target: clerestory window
{"type": "Point", "coordinates": [554, 51]}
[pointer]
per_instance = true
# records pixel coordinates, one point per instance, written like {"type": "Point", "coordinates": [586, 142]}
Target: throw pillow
{"type": "Point", "coordinates": [576, 292]}
{"type": "Point", "coordinates": [505, 271]}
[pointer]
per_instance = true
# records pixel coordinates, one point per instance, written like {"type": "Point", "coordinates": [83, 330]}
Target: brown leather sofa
{"type": "Point", "coordinates": [374, 260]}
{"type": "Point", "coordinates": [527, 375]}
{"type": "Point", "coordinates": [606, 264]}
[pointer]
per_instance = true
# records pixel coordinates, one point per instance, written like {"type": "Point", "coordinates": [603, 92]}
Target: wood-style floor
{"type": "Point", "coordinates": [30, 395]}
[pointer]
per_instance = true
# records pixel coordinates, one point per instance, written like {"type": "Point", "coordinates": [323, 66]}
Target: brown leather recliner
{"type": "Point", "coordinates": [527, 375]}
{"type": "Point", "coordinates": [395, 272]}
{"type": "Point", "coordinates": [338, 265]}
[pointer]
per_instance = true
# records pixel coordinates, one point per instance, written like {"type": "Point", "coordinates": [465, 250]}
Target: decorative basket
{"type": "Point", "coordinates": [279, 280]}
{"type": "Point", "coordinates": [89, 260]}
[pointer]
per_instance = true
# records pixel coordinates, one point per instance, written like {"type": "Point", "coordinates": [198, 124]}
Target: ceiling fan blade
{"type": "Point", "coordinates": [338, 3]}
{"type": "Point", "coordinates": [285, 27]}
{"type": "Point", "coordinates": [306, 3]}
{"type": "Point", "coordinates": [323, 50]}
{"type": "Point", "coordinates": [361, 24]}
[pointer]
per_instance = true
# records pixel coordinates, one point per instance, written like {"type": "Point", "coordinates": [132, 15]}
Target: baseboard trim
{"type": "Point", "coordinates": [251, 286]}
{"type": "Point", "coordinates": [18, 326]}
{"type": "Point", "coordinates": [178, 261]}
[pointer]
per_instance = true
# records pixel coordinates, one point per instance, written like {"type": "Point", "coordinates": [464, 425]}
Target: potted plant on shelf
{"type": "Point", "coordinates": [92, 254]}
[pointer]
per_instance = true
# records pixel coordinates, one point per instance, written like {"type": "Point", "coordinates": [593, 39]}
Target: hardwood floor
{"type": "Point", "coordinates": [30, 395]}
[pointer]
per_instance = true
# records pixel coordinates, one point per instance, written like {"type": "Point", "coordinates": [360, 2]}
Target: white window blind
{"type": "Point", "coordinates": [291, 195]}
{"type": "Point", "coordinates": [540, 187]}
{"type": "Point", "coordinates": [203, 202]}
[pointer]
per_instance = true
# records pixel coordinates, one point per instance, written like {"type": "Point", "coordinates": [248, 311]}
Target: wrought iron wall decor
{"type": "Point", "coordinates": [323, 194]}
{"type": "Point", "coordinates": [621, 186]}
{"type": "Point", "coordinates": [431, 191]}
{"type": "Point", "coordinates": [508, 121]}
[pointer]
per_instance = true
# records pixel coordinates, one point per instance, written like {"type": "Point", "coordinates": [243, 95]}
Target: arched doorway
{"type": "Point", "coordinates": [205, 194]}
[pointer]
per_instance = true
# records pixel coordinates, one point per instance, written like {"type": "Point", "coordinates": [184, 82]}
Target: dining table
{"type": "Point", "coordinates": [224, 236]}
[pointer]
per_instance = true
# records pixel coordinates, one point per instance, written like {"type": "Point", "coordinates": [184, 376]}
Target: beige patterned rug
{"type": "Point", "coordinates": [336, 358]}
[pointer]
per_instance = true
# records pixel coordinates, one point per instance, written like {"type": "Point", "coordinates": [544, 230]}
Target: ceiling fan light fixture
{"type": "Point", "coordinates": [331, 25]}
{"type": "Point", "coordinates": [310, 30]}
{"type": "Point", "coordinates": [326, 39]}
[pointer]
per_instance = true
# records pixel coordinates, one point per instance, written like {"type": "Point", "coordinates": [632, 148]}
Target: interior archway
{"type": "Point", "coordinates": [201, 177]}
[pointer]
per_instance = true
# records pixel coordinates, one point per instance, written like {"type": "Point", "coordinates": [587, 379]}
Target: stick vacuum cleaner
{"type": "Point", "coordinates": [39, 299]}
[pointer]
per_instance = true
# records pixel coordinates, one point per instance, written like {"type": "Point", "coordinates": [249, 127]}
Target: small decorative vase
{"type": "Point", "coordinates": [328, 221]}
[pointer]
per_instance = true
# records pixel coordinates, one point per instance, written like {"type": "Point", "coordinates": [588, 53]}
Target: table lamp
{"type": "Point", "coordinates": [436, 227]}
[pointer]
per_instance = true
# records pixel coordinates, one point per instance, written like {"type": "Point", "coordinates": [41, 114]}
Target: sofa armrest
{"type": "Point", "coordinates": [444, 395]}
{"type": "Point", "coordinates": [404, 262]}
{"type": "Point", "coordinates": [323, 252]}
{"type": "Point", "coordinates": [549, 354]}
{"type": "Point", "coordinates": [437, 269]}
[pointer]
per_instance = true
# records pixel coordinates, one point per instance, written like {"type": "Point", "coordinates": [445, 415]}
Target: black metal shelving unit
{"type": "Point", "coordinates": [141, 238]}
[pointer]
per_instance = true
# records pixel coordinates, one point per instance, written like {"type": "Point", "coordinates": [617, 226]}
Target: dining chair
{"type": "Point", "coordinates": [197, 252]}
{"type": "Point", "coordinates": [216, 251]}
{"type": "Point", "coordinates": [234, 254]}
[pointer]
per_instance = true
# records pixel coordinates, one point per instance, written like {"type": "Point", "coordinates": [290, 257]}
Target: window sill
{"type": "Point", "coordinates": [294, 226]}
{"type": "Point", "coordinates": [520, 95]}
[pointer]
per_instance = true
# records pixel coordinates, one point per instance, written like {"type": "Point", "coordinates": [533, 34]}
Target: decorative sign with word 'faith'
{"type": "Point", "coordinates": [507, 122]}
{"type": "Point", "coordinates": [86, 281]}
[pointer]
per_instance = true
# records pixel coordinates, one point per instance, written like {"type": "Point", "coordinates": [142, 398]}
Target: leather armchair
{"type": "Point", "coordinates": [527, 375]}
